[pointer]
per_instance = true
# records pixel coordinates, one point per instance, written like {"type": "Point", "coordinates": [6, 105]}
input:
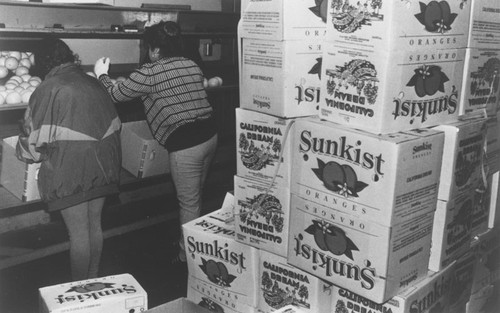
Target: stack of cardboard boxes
{"type": "Point", "coordinates": [379, 188]}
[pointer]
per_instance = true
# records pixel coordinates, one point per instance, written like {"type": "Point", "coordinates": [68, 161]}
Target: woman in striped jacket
{"type": "Point", "coordinates": [177, 111]}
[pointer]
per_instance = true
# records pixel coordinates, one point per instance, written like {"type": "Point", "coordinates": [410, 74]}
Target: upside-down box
{"type": "Point", "coordinates": [385, 92]}
{"type": "Point", "coordinates": [216, 260]}
{"type": "Point", "coordinates": [142, 155]}
{"type": "Point", "coordinates": [281, 78]}
{"type": "Point", "coordinates": [18, 177]}
{"type": "Point", "coordinates": [446, 291]}
{"type": "Point", "coordinates": [260, 141]}
{"type": "Point", "coordinates": [481, 81]}
{"type": "Point", "coordinates": [367, 258]}
{"type": "Point", "coordinates": [111, 294]}
{"type": "Point", "coordinates": [282, 284]}
{"type": "Point", "coordinates": [262, 215]}
{"type": "Point", "coordinates": [387, 179]}
{"type": "Point", "coordinates": [399, 25]}
{"type": "Point", "coordinates": [283, 19]}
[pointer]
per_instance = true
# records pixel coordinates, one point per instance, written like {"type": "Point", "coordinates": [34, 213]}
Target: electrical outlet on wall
{"type": "Point", "coordinates": [210, 50]}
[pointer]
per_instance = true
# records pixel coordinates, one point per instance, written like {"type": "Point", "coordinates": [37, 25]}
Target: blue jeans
{"type": "Point", "coordinates": [189, 168]}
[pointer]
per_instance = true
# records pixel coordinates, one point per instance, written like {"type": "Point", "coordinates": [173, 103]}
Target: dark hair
{"type": "Point", "coordinates": [166, 36]}
{"type": "Point", "coordinates": [52, 52]}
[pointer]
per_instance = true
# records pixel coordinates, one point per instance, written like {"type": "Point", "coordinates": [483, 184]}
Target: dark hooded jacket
{"type": "Point", "coordinates": [72, 128]}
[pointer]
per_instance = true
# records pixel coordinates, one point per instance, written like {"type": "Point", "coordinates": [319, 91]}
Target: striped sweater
{"type": "Point", "coordinates": [173, 96]}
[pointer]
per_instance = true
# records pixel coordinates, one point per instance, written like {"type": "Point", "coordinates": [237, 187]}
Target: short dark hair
{"type": "Point", "coordinates": [166, 36]}
{"type": "Point", "coordinates": [50, 53]}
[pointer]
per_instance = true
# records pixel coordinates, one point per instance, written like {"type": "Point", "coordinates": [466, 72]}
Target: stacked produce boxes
{"type": "Point", "coordinates": [372, 187]}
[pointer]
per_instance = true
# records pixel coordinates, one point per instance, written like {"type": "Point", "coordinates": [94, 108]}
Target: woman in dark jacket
{"type": "Point", "coordinates": [72, 128]}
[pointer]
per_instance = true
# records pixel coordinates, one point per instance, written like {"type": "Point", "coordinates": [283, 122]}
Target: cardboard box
{"type": "Point", "coordinates": [387, 179]}
{"type": "Point", "coordinates": [290, 309]}
{"type": "Point", "coordinates": [389, 91]}
{"type": "Point", "coordinates": [369, 259]}
{"type": "Point", "coordinates": [18, 177]}
{"type": "Point", "coordinates": [179, 305]}
{"type": "Point", "coordinates": [282, 284]}
{"type": "Point", "coordinates": [452, 230]}
{"type": "Point", "coordinates": [446, 291]}
{"type": "Point", "coordinates": [260, 141]}
{"type": "Point", "coordinates": [142, 155]}
{"type": "Point", "coordinates": [484, 29]}
{"type": "Point", "coordinates": [463, 163]}
{"type": "Point", "coordinates": [481, 80]}
{"type": "Point", "coordinates": [486, 247]}
{"type": "Point", "coordinates": [217, 260]}
{"type": "Point", "coordinates": [481, 208]}
{"type": "Point", "coordinates": [399, 25]}
{"type": "Point", "coordinates": [214, 299]}
{"type": "Point", "coordinates": [111, 294]}
{"type": "Point", "coordinates": [283, 19]}
{"type": "Point", "coordinates": [262, 215]}
{"type": "Point", "coordinates": [281, 78]}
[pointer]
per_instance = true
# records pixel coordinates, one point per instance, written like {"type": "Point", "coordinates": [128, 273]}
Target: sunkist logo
{"type": "Point", "coordinates": [309, 94]}
{"type": "Point", "coordinates": [283, 286]}
{"type": "Point", "coordinates": [94, 291]}
{"type": "Point", "coordinates": [342, 149]}
{"type": "Point", "coordinates": [259, 146]}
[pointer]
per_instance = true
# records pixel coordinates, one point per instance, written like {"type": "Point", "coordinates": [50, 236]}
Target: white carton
{"type": "Point", "coordinates": [111, 294]}
{"type": "Point", "coordinates": [399, 25]}
{"type": "Point", "coordinates": [452, 230]}
{"type": "Point", "coordinates": [262, 215]}
{"type": "Point", "coordinates": [446, 291]}
{"type": "Point", "coordinates": [18, 177]}
{"type": "Point", "coordinates": [369, 259]}
{"type": "Point", "coordinates": [214, 299]}
{"type": "Point", "coordinates": [463, 157]}
{"type": "Point", "coordinates": [283, 19]}
{"type": "Point", "coordinates": [142, 155]}
{"type": "Point", "coordinates": [387, 179]}
{"type": "Point", "coordinates": [386, 92]}
{"type": "Point", "coordinates": [481, 81]}
{"type": "Point", "coordinates": [282, 284]}
{"type": "Point", "coordinates": [484, 29]}
{"type": "Point", "coordinates": [217, 260]}
{"type": "Point", "coordinates": [281, 78]}
{"type": "Point", "coordinates": [260, 139]}
{"type": "Point", "coordinates": [487, 249]}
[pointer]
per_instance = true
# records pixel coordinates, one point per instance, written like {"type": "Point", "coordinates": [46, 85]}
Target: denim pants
{"type": "Point", "coordinates": [189, 168]}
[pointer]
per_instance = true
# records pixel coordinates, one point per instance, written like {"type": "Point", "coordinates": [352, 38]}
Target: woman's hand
{"type": "Point", "coordinates": [101, 67]}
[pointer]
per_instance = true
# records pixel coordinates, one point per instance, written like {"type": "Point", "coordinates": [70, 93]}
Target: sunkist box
{"type": "Point", "coordinates": [281, 78]}
{"type": "Point", "coordinates": [214, 299]}
{"type": "Point", "coordinates": [481, 80]}
{"type": "Point", "coordinates": [390, 91]}
{"type": "Point", "coordinates": [446, 291]}
{"type": "Point", "coordinates": [262, 214]}
{"type": "Point", "coordinates": [111, 294]}
{"type": "Point", "coordinates": [260, 142]}
{"type": "Point", "coordinates": [387, 179]}
{"type": "Point", "coordinates": [463, 159]}
{"type": "Point", "coordinates": [18, 177]}
{"type": "Point", "coordinates": [142, 155]}
{"type": "Point", "coordinates": [282, 284]}
{"type": "Point", "coordinates": [399, 25]}
{"type": "Point", "coordinates": [370, 259]}
{"type": "Point", "coordinates": [452, 230]}
{"type": "Point", "coordinates": [214, 258]}
{"type": "Point", "coordinates": [484, 29]}
{"type": "Point", "coordinates": [283, 19]}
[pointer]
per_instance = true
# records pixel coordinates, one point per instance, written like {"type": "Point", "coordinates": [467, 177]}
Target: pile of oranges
{"type": "Point", "coordinates": [16, 83]}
